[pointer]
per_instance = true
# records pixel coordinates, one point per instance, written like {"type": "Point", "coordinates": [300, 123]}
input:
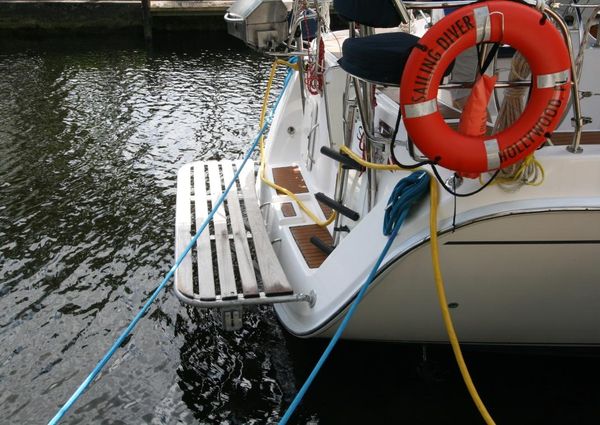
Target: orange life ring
{"type": "Point", "coordinates": [512, 23]}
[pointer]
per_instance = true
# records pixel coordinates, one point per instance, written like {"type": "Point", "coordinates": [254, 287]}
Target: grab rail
{"type": "Point", "coordinates": [578, 120]}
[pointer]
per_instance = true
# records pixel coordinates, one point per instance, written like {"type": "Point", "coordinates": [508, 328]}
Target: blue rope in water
{"type": "Point", "coordinates": [86, 383]}
{"type": "Point", "coordinates": [407, 192]}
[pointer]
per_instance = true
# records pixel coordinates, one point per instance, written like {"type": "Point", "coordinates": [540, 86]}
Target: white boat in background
{"type": "Point", "coordinates": [520, 256]}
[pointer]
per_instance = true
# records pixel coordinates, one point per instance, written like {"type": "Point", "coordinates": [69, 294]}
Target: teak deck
{"type": "Point", "coordinates": [587, 138]}
{"type": "Point", "coordinates": [313, 256]}
{"type": "Point", "coordinates": [291, 178]}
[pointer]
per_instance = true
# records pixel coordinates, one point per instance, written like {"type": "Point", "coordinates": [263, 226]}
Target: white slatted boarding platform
{"type": "Point", "coordinates": [235, 262]}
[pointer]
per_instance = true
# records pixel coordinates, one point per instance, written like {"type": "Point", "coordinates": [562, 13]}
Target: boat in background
{"type": "Point", "coordinates": [519, 254]}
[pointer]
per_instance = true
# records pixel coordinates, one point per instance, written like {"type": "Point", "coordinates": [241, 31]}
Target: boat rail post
{"type": "Point", "coordinates": [367, 89]}
{"type": "Point", "coordinates": [348, 110]}
{"type": "Point", "coordinates": [299, 42]}
{"type": "Point", "coordinates": [578, 121]}
{"type": "Point", "coordinates": [402, 10]}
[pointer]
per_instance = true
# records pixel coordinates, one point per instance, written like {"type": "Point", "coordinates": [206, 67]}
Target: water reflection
{"type": "Point", "coordinates": [91, 135]}
{"type": "Point", "coordinates": [92, 132]}
{"type": "Point", "coordinates": [241, 376]}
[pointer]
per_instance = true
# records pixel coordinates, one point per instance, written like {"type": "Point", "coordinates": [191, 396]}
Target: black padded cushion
{"type": "Point", "coordinates": [379, 58]}
{"type": "Point", "coordinates": [374, 13]}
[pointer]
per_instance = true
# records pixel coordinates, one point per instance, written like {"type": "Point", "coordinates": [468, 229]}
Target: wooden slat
{"type": "Point", "coordinates": [274, 280]}
{"type": "Point", "coordinates": [183, 275]}
{"type": "Point", "coordinates": [224, 262]}
{"type": "Point", "coordinates": [313, 256]}
{"type": "Point", "coordinates": [242, 250]}
{"type": "Point", "coordinates": [206, 280]}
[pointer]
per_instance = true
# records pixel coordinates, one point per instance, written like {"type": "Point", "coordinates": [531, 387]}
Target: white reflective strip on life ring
{"type": "Point", "coordinates": [546, 81]}
{"type": "Point", "coordinates": [492, 149]}
{"type": "Point", "coordinates": [483, 24]}
{"type": "Point", "coordinates": [421, 109]}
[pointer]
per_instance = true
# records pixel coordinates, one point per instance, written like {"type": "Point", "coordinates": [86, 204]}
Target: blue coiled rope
{"type": "Point", "coordinates": [407, 192]}
{"type": "Point", "coordinates": [86, 383]}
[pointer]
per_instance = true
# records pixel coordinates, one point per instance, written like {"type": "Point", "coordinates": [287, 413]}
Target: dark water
{"type": "Point", "coordinates": [92, 132]}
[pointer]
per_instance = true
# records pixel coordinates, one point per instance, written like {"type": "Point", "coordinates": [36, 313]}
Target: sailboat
{"type": "Point", "coordinates": [518, 218]}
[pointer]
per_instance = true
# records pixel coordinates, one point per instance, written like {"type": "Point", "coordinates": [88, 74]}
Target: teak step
{"type": "Point", "coordinates": [236, 264]}
{"type": "Point", "coordinates": [312, 254]}
{"type": "Point", "coordinates": [291, 178]}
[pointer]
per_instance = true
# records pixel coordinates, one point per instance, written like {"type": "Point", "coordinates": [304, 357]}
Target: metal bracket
{"type": "Point", "coordinates": [312, 298]}
{"type": "Point", "coordinates": [584, 121]}
{"type": "Point", "coordinates": [571, 149]}
{"type": "Point", "coordinates": [232, 319]}
{"type": "Point", "coordinates": [454, 182]}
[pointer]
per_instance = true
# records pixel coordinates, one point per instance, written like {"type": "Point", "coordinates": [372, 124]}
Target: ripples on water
{"type": "Point", "coordinates": [91, 135]}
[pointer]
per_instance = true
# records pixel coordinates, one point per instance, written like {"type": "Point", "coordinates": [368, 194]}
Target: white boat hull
{"type": "Point", "coordinates": [520, 268]}
{"type": "Point", "coordinates": [521, 263]}
{"type": "Point", "coordinates": [510, 279]}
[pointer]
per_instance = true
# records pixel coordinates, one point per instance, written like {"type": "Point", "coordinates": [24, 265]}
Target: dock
{"type": "Point", "coordinates": [189, 7]}
{"type": "Point", "coordinates": [100, 16]}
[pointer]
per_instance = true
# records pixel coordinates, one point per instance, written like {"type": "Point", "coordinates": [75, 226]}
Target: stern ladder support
{"type": "Point", "coordinates": [333, 204]}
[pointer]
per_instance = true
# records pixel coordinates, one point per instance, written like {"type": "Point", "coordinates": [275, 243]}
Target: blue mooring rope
{"type": "Point", "coordinates": [407, 192]}
{"type": "Point", "coordinates": [86, 383]}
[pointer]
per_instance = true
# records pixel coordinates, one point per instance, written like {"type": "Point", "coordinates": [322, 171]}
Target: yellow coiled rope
{"type": "Point", "coordinates": [261, 171]}
{"type": "Point", "coordinates": [528, 172]}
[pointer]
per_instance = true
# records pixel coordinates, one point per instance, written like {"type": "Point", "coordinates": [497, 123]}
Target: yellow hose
{"type": "Point", "coordinates": [435, 257]}
{"type": "Point", "coordinates": [261, 172]}
{"type": "Point", "coordinates": [384, 167]}
{"type": "Point", "coordinates": [439, 284]}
